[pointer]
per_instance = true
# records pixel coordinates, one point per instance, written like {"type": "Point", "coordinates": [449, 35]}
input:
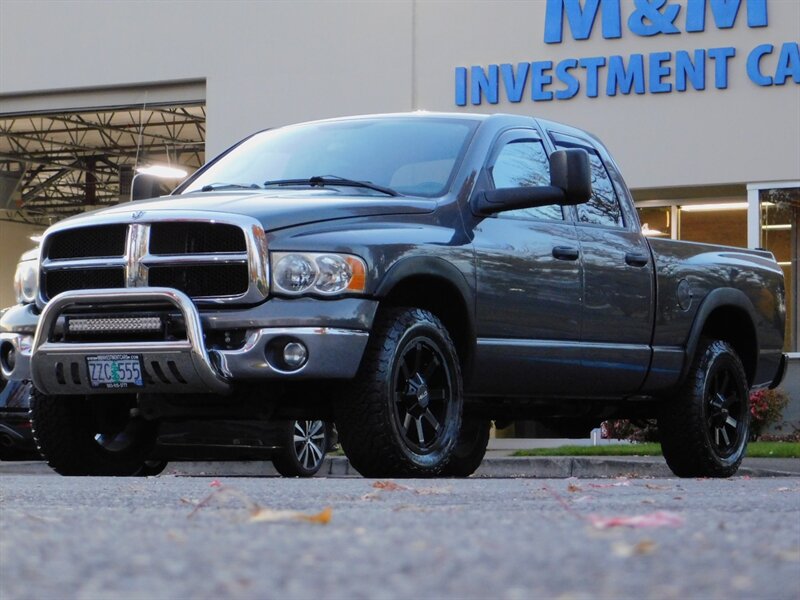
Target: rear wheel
{"type": "Point", "coordinates": [303, 448]}
{"type": "Point", "coordinates": [80, 435]}
{"type": "Point", "coordinates": [401, 416]}
{"type": "Point", "coordinates": [704, 430]}
{"type": "Point", "coordinates": [470, 449]}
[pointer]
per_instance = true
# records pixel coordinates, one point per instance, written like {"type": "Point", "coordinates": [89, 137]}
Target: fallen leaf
{"type": "Point", "coordinates": [574, 488]}
{"type": "Point", "coordinates": [623, 483]}
{"type": "Point", "coordinates": [655, 519]}
{"type": "Point", "coordinates": [789, 555]}
{"type": "Point", "coordinates": [268, 515]}
{"type": "Point", "coordinates": [259, 514]}
{"type": "Point", "coordinates": [215, 484]}
{"type": "Point", "coordinates": [655, 486]}
{"type": "Point", "coordinates": [389, 486]}
{"type": "Point", "coordinates": [639, 549]}
{"type": "Point", "coordinates": [432, 491]}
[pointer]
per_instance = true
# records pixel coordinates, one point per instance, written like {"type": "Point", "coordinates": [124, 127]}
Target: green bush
{"type": "Point", "coordinates": [766, 408]}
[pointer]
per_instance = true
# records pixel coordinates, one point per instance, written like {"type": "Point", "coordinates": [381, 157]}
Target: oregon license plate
{"type": "Point", "coordinates": [115, 371]}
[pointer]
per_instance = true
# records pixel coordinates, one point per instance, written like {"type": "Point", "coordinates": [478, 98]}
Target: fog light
{"type": "Point", "coordinates": [8, 358]}
{"type": "Point", "coordinates": [295, 355]}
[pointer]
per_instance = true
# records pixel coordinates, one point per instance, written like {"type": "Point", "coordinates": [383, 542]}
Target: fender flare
{"type": "Point", "coordinates": [431, 266]}
{"type": "Point", "coordinates": [718, 298]}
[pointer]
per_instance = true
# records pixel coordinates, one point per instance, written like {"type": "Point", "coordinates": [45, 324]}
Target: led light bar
{"type": "Point", "coordinates": [114, 324]}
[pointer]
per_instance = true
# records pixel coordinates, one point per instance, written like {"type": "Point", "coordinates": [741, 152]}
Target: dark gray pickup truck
{"type": "Point", "coordinates": [410, 277]}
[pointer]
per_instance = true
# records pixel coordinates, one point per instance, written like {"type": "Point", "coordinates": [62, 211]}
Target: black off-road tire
{"type": "Point", "coordinates": [64, 428]}
{"type": "Point", "coordinates": [470, 449]}
{"type": "Point", "coordinates": [704, 429]}
{"type": "Point", "coordinates": [409, 378]}
{"type": "Point", "coordinates": [301, 458]}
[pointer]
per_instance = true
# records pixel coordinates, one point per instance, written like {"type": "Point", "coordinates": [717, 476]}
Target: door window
{"type": "Point", "coordinates": [603, 206]}
{"type": "Point", "coordinates": [524, 163]}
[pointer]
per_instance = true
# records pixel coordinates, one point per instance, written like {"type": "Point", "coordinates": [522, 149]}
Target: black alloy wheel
{"type": "Point", "coordinates": [303, 447]}
{"type": "Point", "coordinates": [704, 429]}
{"type": "Point", "coordinates": [422, 393]}
{"type": "Point", "coordinates": [726, 411]}
{"type": "Point", "coordinates": [401, 415]}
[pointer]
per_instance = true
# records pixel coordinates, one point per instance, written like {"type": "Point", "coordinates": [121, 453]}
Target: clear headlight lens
{"type": "Point", "coordinates": [26, 281]}
{"type": "Point", "coordinates": [317, 273]}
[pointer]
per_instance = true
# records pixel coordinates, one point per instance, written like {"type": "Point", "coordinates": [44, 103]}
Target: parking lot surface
{"type": "Point", "coordinates": [178, 537]}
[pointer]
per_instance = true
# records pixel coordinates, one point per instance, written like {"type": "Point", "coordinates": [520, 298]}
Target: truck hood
{"type": "Point", "coordinates": [275, 209]}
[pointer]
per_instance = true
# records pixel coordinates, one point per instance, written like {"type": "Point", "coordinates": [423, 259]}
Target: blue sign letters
{"type": "Point", "coordinates": [656, 73]}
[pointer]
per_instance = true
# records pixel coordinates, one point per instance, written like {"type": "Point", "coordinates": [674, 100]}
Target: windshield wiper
{"type": "Point", "coordinates": [222, 186]}
{"type": "Point", "coordinates": [323, 180]}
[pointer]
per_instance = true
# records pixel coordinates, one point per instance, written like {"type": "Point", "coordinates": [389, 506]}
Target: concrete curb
{"type": "Point", "coordinates": [529, 467]}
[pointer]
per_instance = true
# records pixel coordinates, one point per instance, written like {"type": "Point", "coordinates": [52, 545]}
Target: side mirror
{"type": "Point", "coordinates": [570, 183]}
{"type": "Point", "coordinates": [571, 172]}
{"type": "Point", "coordinates": [147, 186]}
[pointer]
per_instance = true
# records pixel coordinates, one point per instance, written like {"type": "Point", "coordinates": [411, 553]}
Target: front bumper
{"type": "Point", "coordinates": [184, 366]}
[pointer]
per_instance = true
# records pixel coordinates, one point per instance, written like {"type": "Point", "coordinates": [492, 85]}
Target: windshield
{"type": "Point", "coordinates": [410, 156]}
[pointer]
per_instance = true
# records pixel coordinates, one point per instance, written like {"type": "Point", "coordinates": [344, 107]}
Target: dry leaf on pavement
{"type": "Point", "coordinates": [268, 515]}
{"type": "Point", "coordinates": [259, 514]}
{"type": "Point", "coordinates": [389, 486]}
{"type": "Point", "coordinates": [656, 519]}
{"type": "Point", "coordinates": [641, 548]}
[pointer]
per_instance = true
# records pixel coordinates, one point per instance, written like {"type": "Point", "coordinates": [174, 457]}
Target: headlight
{"type": "Point", "coordinates": [299, 273]}
{"type": "Point", "coordinates": [26, 281]}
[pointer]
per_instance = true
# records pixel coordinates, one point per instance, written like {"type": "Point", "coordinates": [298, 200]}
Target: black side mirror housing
{"type": "Point", "coordinates": [570, 184]}
{"type": "Point", "coordinates": [147, 186]}
{"type": "Point", "coordinates": [571, 171]}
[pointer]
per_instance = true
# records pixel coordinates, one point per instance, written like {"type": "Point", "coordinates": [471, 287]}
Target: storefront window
{"type": "Point", "coordinates": [656, 222]}
{"type": "Point", "coordinates": [780, 214]}
{"type": "Point", "coordinates": [714, 223]}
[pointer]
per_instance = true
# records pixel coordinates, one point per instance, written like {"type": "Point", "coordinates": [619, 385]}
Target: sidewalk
{"type": "Point", "coordinates": [498, 463]}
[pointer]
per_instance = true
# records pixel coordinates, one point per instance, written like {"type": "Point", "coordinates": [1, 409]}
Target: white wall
{"type": "Point", "coordinates": [270, 63]}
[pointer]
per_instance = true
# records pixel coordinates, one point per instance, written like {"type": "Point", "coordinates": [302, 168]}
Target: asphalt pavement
{"type": "Point", "coordinates": [198, 537]}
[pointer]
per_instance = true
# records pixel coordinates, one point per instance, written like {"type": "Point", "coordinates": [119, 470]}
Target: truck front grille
{"type": "Point", "coordinates": [202, 280]}
{"type": "Point", "coordinates": [196, 238]}
{"type": "Point", "coordinates": [206, 260]}
{"type": "Point", "coordinates": [87, 242]}
{"type": "Point", "coordinates": [62, 280]}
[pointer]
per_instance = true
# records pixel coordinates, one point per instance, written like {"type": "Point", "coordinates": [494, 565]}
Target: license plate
{"type": "Point", "coordinates": [115, 371]}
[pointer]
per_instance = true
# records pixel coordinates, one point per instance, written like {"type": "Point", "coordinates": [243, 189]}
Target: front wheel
{"type": "Point", "coordinates": [401, 416]}
{"type": "Point", "coordinates": [704, 431]}
{"type": "Point", "coordinates": [91, 435]}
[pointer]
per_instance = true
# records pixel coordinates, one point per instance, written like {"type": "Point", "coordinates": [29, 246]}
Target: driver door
{"type": "Point", "coordinates": [529, 282]}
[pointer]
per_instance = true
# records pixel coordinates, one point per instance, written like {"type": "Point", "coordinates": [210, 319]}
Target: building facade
{"type": "Point", "coordinates": [698, 100]}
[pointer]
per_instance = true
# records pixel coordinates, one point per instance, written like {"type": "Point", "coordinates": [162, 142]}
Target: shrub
{"type": "Point", "coordinates": [766, 408]}
{"type": "Point", "coordinates": [635, 431]}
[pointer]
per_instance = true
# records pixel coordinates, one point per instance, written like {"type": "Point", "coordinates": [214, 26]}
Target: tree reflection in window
{"type": "Point", "coordinates": [524, 163]}
{"type": "Point", "coordinates": [603, 207]}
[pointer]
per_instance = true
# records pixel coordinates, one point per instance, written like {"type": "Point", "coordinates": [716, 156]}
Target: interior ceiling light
{"type": "Point", "coordinates": [778, 226]}
{"type": "Point", "coordinates": [162, 171]}
{"type": "Point", "coordinates": [714, 207]}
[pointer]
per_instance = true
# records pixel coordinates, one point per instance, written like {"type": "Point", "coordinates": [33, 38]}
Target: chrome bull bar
{"type": "Point", "coordinates": [175, 366]}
